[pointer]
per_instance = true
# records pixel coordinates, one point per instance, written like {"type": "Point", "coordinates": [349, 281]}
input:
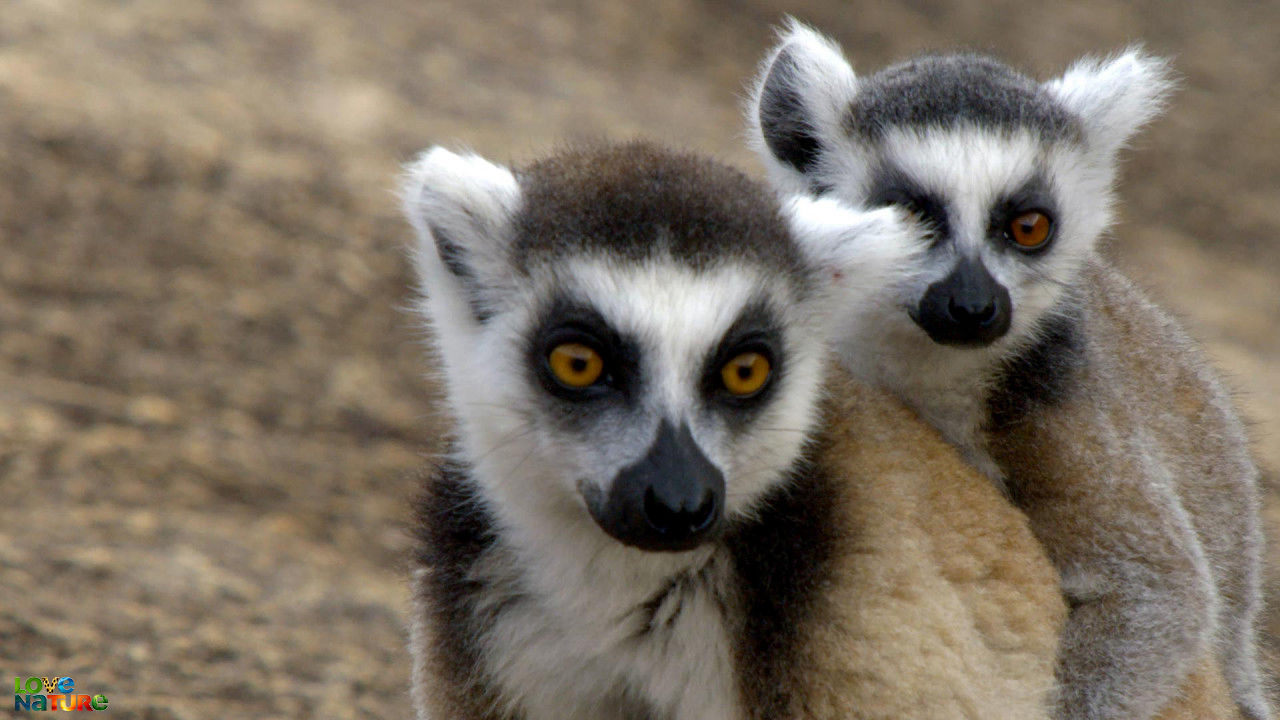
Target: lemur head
{"type": "Point", "coordinates": [1010, 178]}
{"type": "Point", "coordinates": [630, 337]}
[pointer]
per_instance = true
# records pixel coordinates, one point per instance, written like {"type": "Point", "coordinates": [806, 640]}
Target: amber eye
{"type": "Point", "coordinates": [745, 374]}
{"type": "Point", "coordinates": [575, 365]}
{"type": "Point", "coordinates": [1030, 230]}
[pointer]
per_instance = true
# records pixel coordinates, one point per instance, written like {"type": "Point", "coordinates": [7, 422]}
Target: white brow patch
{"type": "Point", "coordinates": [970, 168]}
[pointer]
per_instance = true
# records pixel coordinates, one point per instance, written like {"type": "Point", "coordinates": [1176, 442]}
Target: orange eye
{"type": "Point", "coordinates": [575, 365]}
{"type": "Point", "coordinates": [745, 374]}
{"type": "Point", "coordinates": [1030, 230]}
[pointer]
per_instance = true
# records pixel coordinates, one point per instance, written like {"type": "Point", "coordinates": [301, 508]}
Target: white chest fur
{"type": "Point", "coordinates": [617, 641]}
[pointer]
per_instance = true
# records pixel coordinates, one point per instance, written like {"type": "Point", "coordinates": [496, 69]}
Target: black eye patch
{"type": "Point", "coordinates": [1035, 195]}
{"type": "Point", "coordinates": [891, 186]}
{"type": "Point", "coordinates": [757, 330]}
{"type": "Point", "coordinates": [567, 321]}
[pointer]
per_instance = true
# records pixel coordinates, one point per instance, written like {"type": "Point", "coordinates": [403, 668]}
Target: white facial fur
{"type": "Point", "coordinates": [858, 255]}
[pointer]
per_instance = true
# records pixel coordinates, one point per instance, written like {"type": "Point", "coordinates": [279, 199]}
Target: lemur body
{"type": "Point", "coordinates": [622, 533]}
{"type": "Point", "coordinates": [1034, 356]}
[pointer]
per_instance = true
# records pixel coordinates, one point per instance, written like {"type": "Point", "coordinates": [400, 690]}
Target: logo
{"type": "Point", "coordinates": [56, 693]}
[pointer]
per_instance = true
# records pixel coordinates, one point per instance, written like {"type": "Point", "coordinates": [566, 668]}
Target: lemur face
{"type": "Point", "coordinates": [664, 397]}
{"type": "Point", "coordinates": [1008, 179]}
{"type": "Point", "coordinates": [631, 339]}
{"type": "Point", "coordinates": [1005, 220]}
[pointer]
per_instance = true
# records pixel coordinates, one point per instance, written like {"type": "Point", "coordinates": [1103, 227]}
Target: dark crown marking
{"type": "Point", "coordinates": [636, 201]}
{"type": "Point", "coordinates": [950, 90]}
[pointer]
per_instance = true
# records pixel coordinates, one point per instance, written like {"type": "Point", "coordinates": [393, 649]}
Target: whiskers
{"type": "Point", "coordinates": [798, 431]}
{"type": "Point", "coordinates": [520, 432]}
{"type": "Point", "coordinates": [1040, 275]}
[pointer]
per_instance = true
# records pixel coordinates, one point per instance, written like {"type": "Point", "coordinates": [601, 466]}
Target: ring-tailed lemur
{"type": "Point", "coordinates": [1032, 354]}
{"type": "Point", "coordinates": [630, 525]}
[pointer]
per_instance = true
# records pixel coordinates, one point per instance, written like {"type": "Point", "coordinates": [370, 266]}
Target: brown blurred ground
{"type": "Point", "coordinates": [211, 401]}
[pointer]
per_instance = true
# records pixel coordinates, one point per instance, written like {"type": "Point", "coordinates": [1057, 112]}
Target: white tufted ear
{"type": "Point", "coordinates": [461, 207]}
{"type": "Point", "coordinates": [797, 101]}
{"type": "Point", "coordinates": [857, 253]}
{"type": "Point", "coordinates": [1114, 97]}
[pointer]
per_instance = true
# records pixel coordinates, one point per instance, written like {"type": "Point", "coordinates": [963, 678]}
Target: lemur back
{"type": "Point", "coordinates": [1011, 335]}
{"type": "Point", "coordinates": [1129, 400]}
{"type": "Point", "coordinates": [649, 512]}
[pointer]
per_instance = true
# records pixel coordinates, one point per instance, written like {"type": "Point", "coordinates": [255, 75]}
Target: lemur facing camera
{"type": "Point", "coordinates": [1083, 400]}
{"type": "Point", "coordinates": [635, 521]}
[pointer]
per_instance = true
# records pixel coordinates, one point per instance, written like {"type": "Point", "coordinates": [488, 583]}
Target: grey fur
{"type": "Point", "coordinates": [949, 90]}
{"type": "Point", "coordinates": [1168, 568]}
{"type": "Point", "coordinates": [1096, 412]}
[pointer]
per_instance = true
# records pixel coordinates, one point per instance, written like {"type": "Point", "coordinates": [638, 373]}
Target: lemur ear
{"type": "Point", "coordinates": [461, 207]}
{"type": "Point", "coordinates": [796, 103]}
{"type": "Point", "coordinates": [1114, 97]}
{"type": "Point", "coordinates": [856, 253]}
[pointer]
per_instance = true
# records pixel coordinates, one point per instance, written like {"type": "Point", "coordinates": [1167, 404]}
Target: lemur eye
{"type": "Point", "coordinates": [575, 365]}
{"type": "Point", "coordinates": [745, 374]}
{"type": "Point", "coordinates": [1030, 230]}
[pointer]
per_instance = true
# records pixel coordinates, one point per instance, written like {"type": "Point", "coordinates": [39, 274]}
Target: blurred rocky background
{"type": "Point", "coordinates": [212, 399]}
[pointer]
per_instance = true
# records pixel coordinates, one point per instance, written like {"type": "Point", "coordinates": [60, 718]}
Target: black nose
{"type": "Point", "coordinates": [681, 517]}
{"type": "Point", "coordinates": [967, 307]}
{"type": "Point", "coordinates": [972, 311]}
{"type": "Point", "coordinates": [671, 499]}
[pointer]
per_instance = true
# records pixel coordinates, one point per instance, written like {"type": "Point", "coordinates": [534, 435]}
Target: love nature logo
{"type": "Point", "coordinates": [55, 693]}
